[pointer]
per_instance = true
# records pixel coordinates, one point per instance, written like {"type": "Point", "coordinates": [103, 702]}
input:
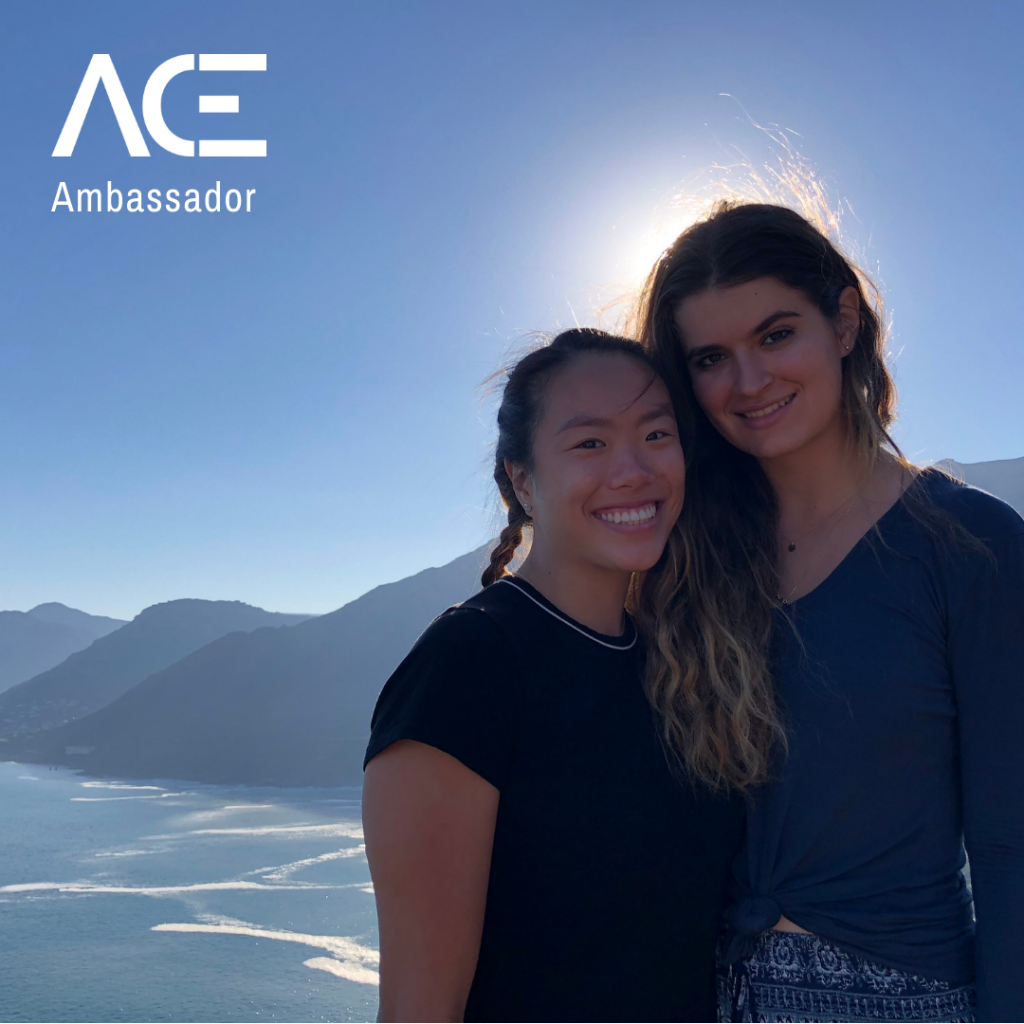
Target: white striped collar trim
{"type": "Point", "coordinates": [569, 622]}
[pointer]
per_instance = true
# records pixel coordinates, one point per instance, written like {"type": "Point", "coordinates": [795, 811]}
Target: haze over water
{"type": "Point", "coordinates": [151, 901]}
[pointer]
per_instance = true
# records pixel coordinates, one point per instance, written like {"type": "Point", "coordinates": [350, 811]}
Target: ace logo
{"type": "Point", "coordinates": [101, 69]}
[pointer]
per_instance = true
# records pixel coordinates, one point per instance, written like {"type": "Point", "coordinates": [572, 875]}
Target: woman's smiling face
{"type": "Point", "coordinates": [767, 364]}
{"type": "Point", "coordinates": [606, 485]}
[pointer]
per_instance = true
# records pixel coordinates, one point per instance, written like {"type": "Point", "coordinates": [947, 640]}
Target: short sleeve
{"type": "Point", "coordinates": [455, 691]}
{"type": "Point", "coordinates": [987, 660]}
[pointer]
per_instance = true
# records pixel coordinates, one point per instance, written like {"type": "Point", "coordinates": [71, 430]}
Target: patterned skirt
{"type": "Point", "coordinates": [796, 977]}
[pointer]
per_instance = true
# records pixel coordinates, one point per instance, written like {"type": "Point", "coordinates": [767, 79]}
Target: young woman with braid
{"type": "Point", "coordinates": [535, 854]}
{"type": "Point", "coordinates": [893, 599]}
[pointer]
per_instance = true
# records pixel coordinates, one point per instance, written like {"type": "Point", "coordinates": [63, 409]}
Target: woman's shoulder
{"type": "Point", "coordinates": [456, 690]}
{"type": "Point", "coordinates": [474, 639]}
{"type": "Point", "coordinates": [983, 516]}
{"type": "Point", "coordinates": [486, 617]}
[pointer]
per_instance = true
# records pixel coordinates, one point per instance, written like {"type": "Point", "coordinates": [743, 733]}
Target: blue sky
{"type": "Point", "coordinates": [282, 407]}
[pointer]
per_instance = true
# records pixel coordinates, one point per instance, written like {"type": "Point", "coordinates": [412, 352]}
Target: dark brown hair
{"type": "Point", "coordinates": [727, 551]}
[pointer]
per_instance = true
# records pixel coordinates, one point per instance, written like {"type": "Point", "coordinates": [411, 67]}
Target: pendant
{"type": "Point", "coordinates": [792, 547]}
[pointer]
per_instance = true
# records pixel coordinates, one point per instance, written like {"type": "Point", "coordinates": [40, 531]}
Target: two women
{"type": "Point", "coordinates": [883, 603]}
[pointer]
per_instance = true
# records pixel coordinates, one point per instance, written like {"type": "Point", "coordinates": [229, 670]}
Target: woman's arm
{"type": "Point", "coordinates": [987, 655]}
{"type": "Point", "coordinates": [429, 824]}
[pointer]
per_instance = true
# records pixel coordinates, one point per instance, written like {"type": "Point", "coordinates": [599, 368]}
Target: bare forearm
{"type": "Point", "coordinates": [429, 825]}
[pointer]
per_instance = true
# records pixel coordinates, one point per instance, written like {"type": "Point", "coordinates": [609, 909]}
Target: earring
{"type": "Point", "coordinates": [527, 507]}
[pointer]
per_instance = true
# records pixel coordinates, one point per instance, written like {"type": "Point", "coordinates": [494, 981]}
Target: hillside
{"type": "Point", "coordinates": [33, 641]}
{"type": "Point", "coordinates": [157, 637]}
{"type": "Point", "coordinates": [291, 706]}
{"type": "Point", "coordinates": [1003, 478]}
{"type": "Point", "coordinates": [282, 707]}
{"type": "Point", "coordinates": [88, 627]}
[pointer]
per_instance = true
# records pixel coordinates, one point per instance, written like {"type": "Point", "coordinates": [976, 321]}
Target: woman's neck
{"type": "Point", "coordinates": [812, 481]}
{"type": "Point", "coordinates": [590, 594]}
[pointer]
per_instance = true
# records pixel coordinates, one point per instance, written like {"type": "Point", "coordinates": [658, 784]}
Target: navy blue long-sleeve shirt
{"type": "Point", "coordinates": [902, 681]}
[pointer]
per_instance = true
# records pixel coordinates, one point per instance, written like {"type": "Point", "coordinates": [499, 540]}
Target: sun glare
{"type": "Point", "coordinates": [639, 259]}
{"type": "Point", "coordinates": [637, 255]}
{"type": "Point", "coordinates": [783, 177]}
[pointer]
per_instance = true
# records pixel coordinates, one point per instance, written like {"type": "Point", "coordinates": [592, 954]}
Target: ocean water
{"type": "Point", "coordinates": [160, 901]}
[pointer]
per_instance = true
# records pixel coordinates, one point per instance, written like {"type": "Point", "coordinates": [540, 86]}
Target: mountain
{"type": "Point", "coordinates": [157, 637]}
{"type": "Point", "coordinates": [1003, 478]}
{"type": "Point", "coordinates": [272, 707]}
{"type": "Point", "coordinates": [291, 707]}
{"type": "Point", "coordinates": [89, 627]}
{"type": "Point", "coordinates": [33, 641]}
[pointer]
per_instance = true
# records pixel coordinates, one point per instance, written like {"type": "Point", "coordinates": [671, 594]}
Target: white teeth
{"type": "Point", "coordinates": [630, 515]}
{"type": "Point", "coordinates": [764, 412]}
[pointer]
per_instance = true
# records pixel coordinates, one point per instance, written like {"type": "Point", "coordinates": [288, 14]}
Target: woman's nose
{"type": "Point", "coordinates": [630, 467]}
{"type": "Point", "coordinates": [751, 376]}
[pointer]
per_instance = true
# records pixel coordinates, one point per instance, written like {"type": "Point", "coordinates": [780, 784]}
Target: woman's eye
{"type": "Point", "coordinates": [657, 435]}
{"type": "Point", "coordinates": [591, 443]}
{"type": "Point", "coordinates": [779, 334]}
{"type": "Point", "coordinates": [710, 360]}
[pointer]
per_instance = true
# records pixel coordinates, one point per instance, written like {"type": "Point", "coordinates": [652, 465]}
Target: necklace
{"type": "Point", "coordinates": [791, 544]}
{"type": "Point", "coordinates": [810, 565]}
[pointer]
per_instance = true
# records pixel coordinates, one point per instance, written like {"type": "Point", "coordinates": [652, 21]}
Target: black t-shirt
{"type": "Point", "coordinates": [608, 873]}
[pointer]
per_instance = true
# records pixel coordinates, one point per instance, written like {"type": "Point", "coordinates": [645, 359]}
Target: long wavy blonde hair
{"type": "Point", "coordinates": [706, 609]}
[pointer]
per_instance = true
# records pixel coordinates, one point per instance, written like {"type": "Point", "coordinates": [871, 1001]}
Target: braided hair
{"type": "Point", "coordinates": [518, 416]}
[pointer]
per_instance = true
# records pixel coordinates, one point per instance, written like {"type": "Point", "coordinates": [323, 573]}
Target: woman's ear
{"type": "Point", "coordinates": [521, 484]}
{"type": "Point", "coordinates": [848, 326]}
{"type": "Point", "coordinates": [849, 320]}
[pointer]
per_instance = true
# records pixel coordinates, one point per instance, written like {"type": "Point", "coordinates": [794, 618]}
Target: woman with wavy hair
{"type": "Point", "coordinates": [535, 855]}
{"type": "Point", "coordinates": [891, 600]}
